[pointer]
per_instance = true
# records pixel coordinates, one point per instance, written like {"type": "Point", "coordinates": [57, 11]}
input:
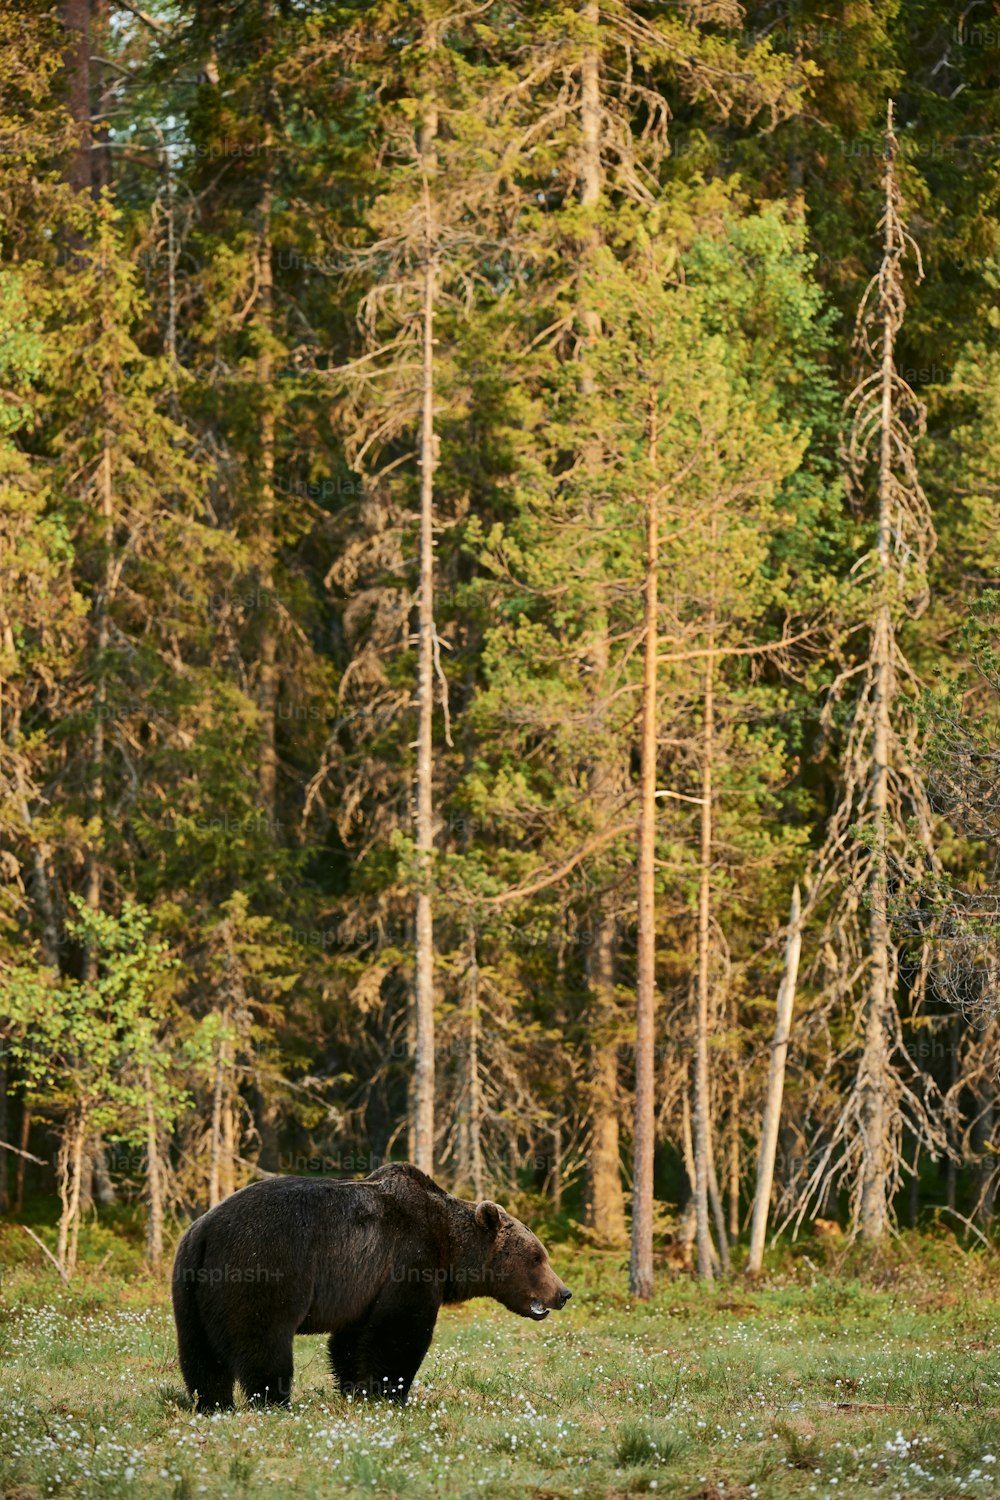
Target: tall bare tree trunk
{"type": "Point", "coordinates": [691, 1171]}
{"type": "Point", "coordinates": [775, 1087]}
{"type": "Point", "coordinates": [215, 1194]}
{"type": "Point", "coordinates": [76, 19]}
{"type": "Point", "coordinates": [734, 1157]}
{"type": "Point", "coordinates": [606, 1199]}
{"type": "Point", "coordinates": [556, 1172]}
{"type": "Point", "coordinates": [154, 1180]}
{"type": "Point", "coordinates": [70, 1174]}
{"type": "Point", "coordinates": [230, 1135]}
{"type": "Point", "coordinates": [702, 1122]}
{"type": "Point", "coordinates": [422, 1132]}
{"type": "Point", "coordinates": [875, 1065]}
{"type": "Point", "coordinates": [644, 1129]}
{"type": "Point", "coordinates": [102, 1184]}
{"type": "Point", "coordinates": [606, 1207]}
{"type": "Point", "coordinates": [715, 1199]}
{"type": "Point", "coordinates": [867, 1136]}
{"type": "Point", "coordinates": [22, 1160]}
{"type": "Point", "coordinates": [470, 1152]}
{"type": "Point", "coordinates": [982, 1143]}
{"type": "Point", "coordinates": [267, 667]}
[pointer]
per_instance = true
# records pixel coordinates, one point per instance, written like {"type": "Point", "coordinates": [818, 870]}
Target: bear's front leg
{"type": "Point", "coordinates": [378, 1356]}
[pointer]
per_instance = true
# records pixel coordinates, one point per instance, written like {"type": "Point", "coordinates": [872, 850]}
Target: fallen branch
{"type": "Point", "coordinates": [968, 1224]}
{"type": "Point", "coordinates": [46, 1251]}
{"type": "Point", "coordinates": [6, 1146]}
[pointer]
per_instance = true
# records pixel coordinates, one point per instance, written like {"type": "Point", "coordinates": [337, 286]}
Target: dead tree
{"type": "Point", "coordinates": [881, 790]}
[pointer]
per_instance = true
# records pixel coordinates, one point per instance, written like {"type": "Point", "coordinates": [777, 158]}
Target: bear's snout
{"type": "Point", "coordinates": [550, 1301]}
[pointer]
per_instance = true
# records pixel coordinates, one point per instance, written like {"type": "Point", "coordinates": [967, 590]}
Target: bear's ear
{"type": "Point", "coordinates": [488, 1216]}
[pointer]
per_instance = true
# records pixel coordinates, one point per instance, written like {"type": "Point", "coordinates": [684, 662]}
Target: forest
{"type": "Point", "coordinates": [499, 630]}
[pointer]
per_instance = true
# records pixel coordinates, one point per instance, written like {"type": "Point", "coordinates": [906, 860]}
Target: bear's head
{"type": "Point", "coordinates": [516, 1267]}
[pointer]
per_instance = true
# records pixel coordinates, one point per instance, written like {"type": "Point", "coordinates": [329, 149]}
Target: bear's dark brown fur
{"type": "Point", "coordinates": [368, 1262]}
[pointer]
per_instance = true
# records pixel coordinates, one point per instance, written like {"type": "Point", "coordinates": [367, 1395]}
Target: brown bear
{"type": "Point", "coordinates": [370, 1262]}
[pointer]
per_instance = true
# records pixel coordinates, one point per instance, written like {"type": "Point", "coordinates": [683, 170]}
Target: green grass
{"type": "Point", "coordinates": [884, 1384]}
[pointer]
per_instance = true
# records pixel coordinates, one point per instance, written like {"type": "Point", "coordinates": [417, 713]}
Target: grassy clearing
{"type": "Point", "coordinates": [808, 1386]}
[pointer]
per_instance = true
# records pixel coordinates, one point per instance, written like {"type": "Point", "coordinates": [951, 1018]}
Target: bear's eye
{"type": "Point", "coordinates": [538, 1258]}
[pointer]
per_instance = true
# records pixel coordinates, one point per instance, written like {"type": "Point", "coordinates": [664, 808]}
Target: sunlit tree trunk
{"type": "Point", "coordinates": [875, 1067]}
{"type": "Point", "coordinates": [606, 1199]}
{"type": "Point", "coordinates": [734, 1155]}
{"type": "Point", "coordinates": [230, 1137]}
{"type": "Point", "coordinates": [875, 1084]}
{"type": "Point", "coordinates": [422, 1132]}
{"type": "Point", "coordinates": [154, 1180]}
{"type": "Point", "coordinates": [775, 1088]}
{"type": "Point", "coordinates": [714, 1195]}
{"type": "Point", "coordinates": [76, 17]}
{"type": "Point", "coordinates": [702, 1121]}
{"type": "Point", "coordinates": [22, 1160]}
{"type": "Point", "coordinates": [267, 666]}
{"type": "Point", "coordinates": [70, 1176]}
{"type": "Point", "coordinates": [644, 1137]}
{"type": "Point", "coordinates": [470, 1155]}
{"type": "Point", "coordinates": [216, 1143]}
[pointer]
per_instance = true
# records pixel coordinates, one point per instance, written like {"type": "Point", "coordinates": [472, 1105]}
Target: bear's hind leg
{"type": "Point", "coordinates": [209, 1379]}
{"type": "Point", "coordinates": [265, 1371]}
{"type": "Point", "coordinates": [379, 1356]}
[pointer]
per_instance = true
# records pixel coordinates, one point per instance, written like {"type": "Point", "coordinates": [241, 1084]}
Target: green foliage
{"type": "Point", "coordinates": [208, 542]}
{"type": "Point", "coordinates": [97, 1046]}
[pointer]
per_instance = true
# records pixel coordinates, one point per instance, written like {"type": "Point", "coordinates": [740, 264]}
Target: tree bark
{"type": "Point", "coordinates": [216, 1143]}
{"type": "Point", "coordinates": [76, 19]}
{"type": "Point", "coordinates": [702, 1124]}
{"type": "Point", "coordinates": [102, 1184]}
{"type": "Point", "coordinates": [982, 1142]}
{"type": "Point", "coordinates": [734, 1157]}
{"type": "Point", "coordinates": [775, 1087]}
{"type": "Point", "coordinates": [875, 1065]}
{"type": "Point", "coordinates": [154, 1181]}
{"type": "Point", "coordinates": [230, 1138]}
{"type": "Point", "coordinates": [70, 1173]}
{"type": "Point", "coordinates": [267, 696]}
{"type": "Point", "coordinates": [423, 1002]}
{"type": "Point", "coordinates": [715, 1200]}
{"type": "Point", "coordinates": [22, 1160]}
{"type": "Point", "coordinates": [644, 1128]}
{"type": "Point", "coordinates": [691, 1171]}
{"type": "Point", "coordinates": [473, 1165]}
{"type": "Point", "coordinates": [606, 1205]}
{"type": "Point", "coordinates": [555, 1177]}
{"type": "Point", "coordinates": [74, 1196]}
{"type": "Point", "coordinates": [606, 1208]}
